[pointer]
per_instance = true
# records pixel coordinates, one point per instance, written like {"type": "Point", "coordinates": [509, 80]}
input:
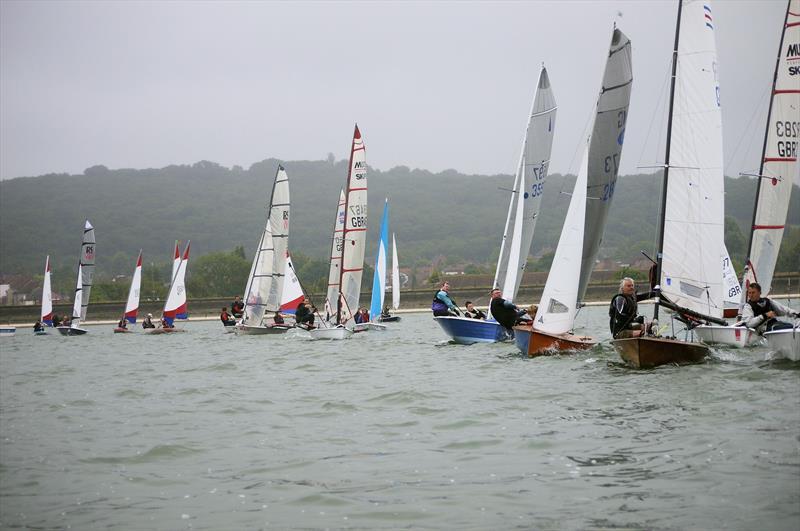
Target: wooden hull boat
{"type": "Point", "coordinates": [157, 331]}
{"type": "Point", "coordinates": [730, 336]}
{"type": "Point", "coordinates": [649, 352]}
{"type": "Point", "coordinates": [119, 330]}
{"type": "Point", "coordinates": [537, 343]}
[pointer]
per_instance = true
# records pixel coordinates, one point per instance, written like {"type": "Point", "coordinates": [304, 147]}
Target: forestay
{"type": "Point", "coordinates": [778, 160]}
{"type": "Point", "coordinates": [693, 234]}
{"type": "Point", "coordinates": [605, 149]}
{"type": "Point", "coordinates": [529, 182]}
{"type": "Point", "coordinates": [556, 313]}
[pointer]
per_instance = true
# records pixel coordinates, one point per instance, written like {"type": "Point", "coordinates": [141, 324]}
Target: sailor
{"type": "Point", "coordinates": [304, 315]}
{"type": "Point", "coordinates": [760, 312]}
{"type": "Point", "coordinates": [362, 316]}
{"type": "Point", "coordinates": [624, 321]}
{"type": "Point", "coordinates": [226, 318]}
{"type": "Point", "coordinates": [505, 312]}
{"type": "Point", "coordinates": [472, 312]}
{"type": "Point", "coordinates": [148, 321]}
{"type": "Point", "coordinates": [123, 323]}
{"type": "Point", "coordinates": [237, 307]}
{"type": "Point", "coordinates": [443, 304]}
{"type": "Point", "coordinates": [38, 326]}
{"type": "Point", "coordinates": [278, 318]}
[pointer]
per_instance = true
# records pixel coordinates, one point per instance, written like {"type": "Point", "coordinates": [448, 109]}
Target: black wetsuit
{"type": "Point", "coordinates": [504, 312]}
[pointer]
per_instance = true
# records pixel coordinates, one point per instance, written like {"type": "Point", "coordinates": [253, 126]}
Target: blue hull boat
{"type": "Point", "coordinates": [467, 331]}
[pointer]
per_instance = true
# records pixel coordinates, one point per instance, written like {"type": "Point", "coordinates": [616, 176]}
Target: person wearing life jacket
{"type": "Point", "coordinates": [624, 320]}
{"type": "Point", "coordinates": [443, 304]}
{"type": "Point", "coordinates": [237, 307]}
{"type": "Point", "coordinates": [504, 312]}
{"type": "Point", "coordinates": [472, 312]}
{"type": "Point", "coordinates": [226, 318]}
{"type": "Point", "coordinates": [760, 312]}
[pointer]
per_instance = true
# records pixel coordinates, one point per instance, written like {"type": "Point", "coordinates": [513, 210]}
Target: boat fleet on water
{"type": "Point", "coordinates": [691, 276]}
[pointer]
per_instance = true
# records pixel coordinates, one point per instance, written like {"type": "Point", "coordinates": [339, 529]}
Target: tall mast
{"type": "Point", "coordinates": [356, 134]}
{"type": "Point", "coordinates": [660, 249]}
{"type": "Point", "coordinates": [764, 147]}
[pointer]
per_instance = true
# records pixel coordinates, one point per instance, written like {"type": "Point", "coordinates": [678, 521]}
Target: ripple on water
{"type": "Point", "coordinates": [165, 452]}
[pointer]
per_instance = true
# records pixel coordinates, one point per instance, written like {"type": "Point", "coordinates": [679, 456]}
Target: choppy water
{"type": "Point", "coordinates": [206, 430]}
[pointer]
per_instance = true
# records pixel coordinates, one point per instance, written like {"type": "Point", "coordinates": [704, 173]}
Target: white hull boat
{"type": "Point", "coordinates": [8, 331]}
{"type": "Point", "coordinates": [729, 336]}
{"type": "Point", "coordinates": [334, 333]}
{"type": "Point", "coordinates": [71, 330]}
{"type": "Point", "coordinates": [785, 343]}
{"type": "Point", "coordinates": [363, 327]}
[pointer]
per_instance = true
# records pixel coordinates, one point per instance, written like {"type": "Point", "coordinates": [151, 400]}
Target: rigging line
{"type": "Point", "coordinates": [658, 105]}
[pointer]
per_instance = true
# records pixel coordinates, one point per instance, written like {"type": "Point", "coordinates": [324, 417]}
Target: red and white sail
{"type": "Point", "coordinates": [292, 290]}
{"type": "Point", "coordinates": [47, 296]}
{"type": "Point", "coordinates": [778, 160]}
{"type": "Point", "coordinates": [176, 260]}
{"type": "Point", "coordinates": [132, 306]}
{"type": "Point", "coordinates": [175, 306]}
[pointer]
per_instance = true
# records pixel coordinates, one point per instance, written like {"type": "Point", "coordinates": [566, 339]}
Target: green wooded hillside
{"type": "Point", "coordinates": [457, 216]}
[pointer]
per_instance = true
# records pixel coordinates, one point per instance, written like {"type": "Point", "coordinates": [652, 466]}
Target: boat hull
{"type": "Point", "coordinates": [158, 331]}
{"type": "Point", "coordinates": [537, 343]}
{"type": "Point", "coordinates": [390, 319]}
{"type": "Point", "coordinates": [70, 331]}
{"type": "Point", "coordinates": [8, 331]}
{"type": "Point", "coordinates": [364, 327]}
{"type": "Point", "coordinates": [649, 352]}
{"type": "Point", "coordinates": [40, 333]}
{"type": "Point", "coordinates": [730, 336]}
{"type": "Point", "coordinates": [333, 333]}
{"type": "Point", "coordinates": [786, 343]}
{"type": "Point", "coordinates": [466, 331]}
{"type": "Point", "coordinates": [248, 330]}
{"type": "Point", "coordinates": [119, 330]}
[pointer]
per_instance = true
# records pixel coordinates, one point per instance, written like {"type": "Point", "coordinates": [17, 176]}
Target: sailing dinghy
{"type": "Point", "coordinates": [691, 231]}
{"type": "Point", "coordinates": [378, 277]}
{"type": "Point", "coordinates": [175, 307]}
{"type": "Point", "coordinates": [348, 246]}
{"type": "Point", "coordinates": [84, 284]}
{"type": "Point", "coordinates": [523, 211]}
{"type": "Point", "coordinates": [132, 305]}
{"type": "Point", "coordinates": [774, 186]}
{"type": "Point", "coordinates": [551, 329]}
{"type": "Point", "coordinates": [46, 317]}
{"type": "Point", "coordinates": [264, 290]}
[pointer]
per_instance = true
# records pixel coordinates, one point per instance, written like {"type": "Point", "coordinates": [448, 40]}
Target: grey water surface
{"type": "Point", "coordinates": [393, 430]}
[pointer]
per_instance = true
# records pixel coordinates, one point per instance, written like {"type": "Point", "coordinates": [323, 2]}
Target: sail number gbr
{"type": "Point", "coordinates": [358, 216]}
{"type": "Point", "coordinates": [787, 130]}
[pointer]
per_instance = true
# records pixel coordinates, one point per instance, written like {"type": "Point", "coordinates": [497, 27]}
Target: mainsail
{"type": "Point", "coordinates": [87, 266]}
{"type": "Point", "coordinates": [556, 313]}
{"type": "Point", "coordinates": [292, 290]}
{"type": "Point", "coordinates": [379, 276]}
{"type": "Point", "coordinates": [395, 275]}
{"type": "Point", "coordinates": [132, 306]}
{"type": "Point", "coordinates": [175, 305]}
{"type": "Point", "coordinates": [47, 296]}
{"type": "Point", "coordinates": [77, 302]}
{"type": "Point", "coordinates": [778, 159]}
{"type": "Point", "coordinates": [265, 282]}
{"type": "Point", "coordinates": [692, 232]}
{"type": "Point", "coordinates": [337, 246]}
{"type": "Point", "coordinates": [355, 227]}
{"type": "Point", "coordinates": [605, 149]}
{"type": "Point", "coordinates": [529, 182]}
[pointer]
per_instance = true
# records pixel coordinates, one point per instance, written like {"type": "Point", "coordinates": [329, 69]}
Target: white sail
{"type": "Point", "coordinates": [395, 275]}
{"type": "Point", "coordinates": [87, 265]}
{"type": "Point", "coordinates": [355, 226]}
{"type": "Point", "coordinates": [292, 290]}
{"type": "Point", "coordinates": [693, 232]}
{"type": "Point", "coordinates": [731, 292]}
{"type": "Point", "coordinates": [47, 296]}
{"type": "Point", "coordinates": [132, 306]}
{"type": "Point", "coordinates": [176, 301]}
{"type": "Point", "coordinates": [605, 149]}
{"type": "Point", "coordinates": [265, 283]}
{"type": "Point", "coordinates": [778, 161]}
{"type": "Point", "coordinates": [556, 313]}
{"type": "Point", "coordinates": [77, 303]}
{"type": "Point", "coordinates": [528, 188]}
{"type": "Point", "coordinates": [337, 246]}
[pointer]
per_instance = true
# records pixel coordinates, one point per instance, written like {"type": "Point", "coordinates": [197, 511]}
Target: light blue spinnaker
{"type": "Point", "coordinates": [379, 277]}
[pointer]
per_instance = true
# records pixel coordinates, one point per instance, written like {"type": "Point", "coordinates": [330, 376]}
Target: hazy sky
{"type": "Point", "coordinates": [433, 85]}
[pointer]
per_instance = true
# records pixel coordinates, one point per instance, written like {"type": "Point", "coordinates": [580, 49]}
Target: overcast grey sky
{"type": "Point", "coordinates": [433, 85]}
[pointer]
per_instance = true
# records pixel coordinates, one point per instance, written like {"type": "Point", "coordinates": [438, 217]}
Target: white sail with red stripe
{"type": "Point", "coordinates": [175, 306]}
{"type": "Point", "coordinates": [778, 160]}
{"type": "Point", "coordinates": [292, 290]}
{"type": "Point", "coordinates": [132, 306]}
{"type": "Point", "coordinates": [355, 229]}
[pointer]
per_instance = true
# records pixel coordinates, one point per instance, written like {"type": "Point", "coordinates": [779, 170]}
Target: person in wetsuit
{"type": "Point", "coordinates": [624, 320]}
{"type": "Point", "coordinates": [760, 312]}
{"type": "Point", "coordinates": [443, 304]}
{"type": "Point", "coordinates": [504, 312]}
